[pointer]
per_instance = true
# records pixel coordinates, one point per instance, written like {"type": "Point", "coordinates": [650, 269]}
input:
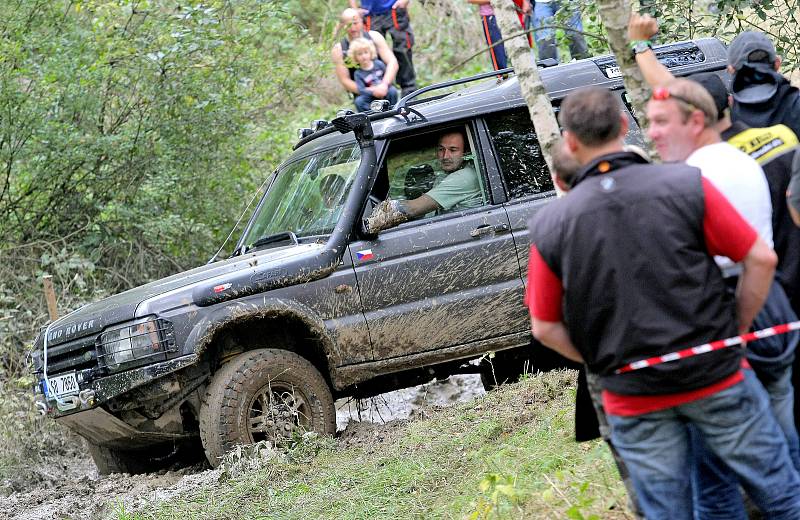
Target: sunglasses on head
{"type": "Point", "coordinates": [663, 94]}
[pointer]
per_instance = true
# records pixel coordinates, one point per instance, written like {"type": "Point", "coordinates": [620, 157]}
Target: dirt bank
{"type": "Point", "coordinates": [71, 488]}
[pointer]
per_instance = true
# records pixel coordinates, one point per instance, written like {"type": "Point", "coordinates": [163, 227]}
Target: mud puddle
{"type": "Point", "coordinates": [71, 488]}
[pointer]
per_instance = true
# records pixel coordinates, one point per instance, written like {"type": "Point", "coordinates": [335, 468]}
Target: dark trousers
{"type": "Point", "coordinates": [492, 34]}
{"type": "Point", "coordinates": [398, 25]}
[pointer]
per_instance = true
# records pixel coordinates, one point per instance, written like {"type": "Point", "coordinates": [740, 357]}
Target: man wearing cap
{"type": "Point", "coordinates": [621, 270]}
{"type": "Point", "coordinates": [761, 95]}
{"type": "Point", "coordinates": [772, 359]}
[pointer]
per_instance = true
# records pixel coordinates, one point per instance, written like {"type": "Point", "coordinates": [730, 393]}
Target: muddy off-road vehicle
{"type": "Point", "coordinates": [313, 305]}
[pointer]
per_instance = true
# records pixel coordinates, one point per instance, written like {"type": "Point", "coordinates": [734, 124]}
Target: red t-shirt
{"type": "Point", "coordinates": [726, 234]}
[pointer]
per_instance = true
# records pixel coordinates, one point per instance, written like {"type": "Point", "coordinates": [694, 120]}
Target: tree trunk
{"type": "Point", "coordinates": [615, 15]}
{"type": "Point", "coordinates": [521, 57]}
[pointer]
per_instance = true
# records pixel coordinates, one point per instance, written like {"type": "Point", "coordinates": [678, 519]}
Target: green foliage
{"type": "Point", "coordinates": [130, 119]}
{"type": "Point", "coordinates": [724, 19]}
{"type": "Point", "coordinates": [499, 496]}
{"type": "Point", "coordinates": [132, 134]}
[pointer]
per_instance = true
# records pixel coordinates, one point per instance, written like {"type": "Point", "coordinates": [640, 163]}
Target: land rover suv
{"type": "Point", "coordinates": [313, 305]}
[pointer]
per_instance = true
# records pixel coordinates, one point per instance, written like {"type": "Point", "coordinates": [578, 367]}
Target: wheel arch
{"type": "Point", "coordinates": [240, 327]}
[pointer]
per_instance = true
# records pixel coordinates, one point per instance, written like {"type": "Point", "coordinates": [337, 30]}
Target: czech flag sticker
{"type": "Point", "coordinates": [220, 288]}
{"type": "Point", "coordinates": [364, 255]}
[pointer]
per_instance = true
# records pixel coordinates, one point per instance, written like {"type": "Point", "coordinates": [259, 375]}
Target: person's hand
{"type": "Point", "coordinates": [642, 27]}
{"type": "Point", "coordinates": [385, 215]}
{"type": "Point", "coordinates": [400, 4]}
{"type": "Point", "coordinates": [526, 7]}
{"type": "Point", "coordinates": [380, 91]}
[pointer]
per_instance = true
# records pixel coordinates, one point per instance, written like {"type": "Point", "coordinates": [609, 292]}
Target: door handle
{"type": "Point", "coordinates": [488, 229]}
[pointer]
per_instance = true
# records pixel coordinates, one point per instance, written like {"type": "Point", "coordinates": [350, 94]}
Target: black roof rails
{"type": "Point", "coordinates": [437, 86]}
{"type": "Point", "coordinates": [400, 108]}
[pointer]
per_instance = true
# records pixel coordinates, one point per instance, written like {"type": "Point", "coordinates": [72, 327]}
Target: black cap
{"type": "Point", "coordinates": [714, 85]}
{"type": "Point", "coordinates": [751, 47]}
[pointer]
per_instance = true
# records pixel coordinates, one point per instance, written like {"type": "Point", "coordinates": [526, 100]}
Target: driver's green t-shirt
{"type": "Point", "coordinates": [458, 190]}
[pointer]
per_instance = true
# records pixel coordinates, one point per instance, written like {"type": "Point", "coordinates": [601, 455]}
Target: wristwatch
{"type": "Point", "coordinates": [640, 46]}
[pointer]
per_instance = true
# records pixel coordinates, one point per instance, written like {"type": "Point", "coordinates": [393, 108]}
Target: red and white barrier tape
{"type": "Point", "coordinates": [710, 347]}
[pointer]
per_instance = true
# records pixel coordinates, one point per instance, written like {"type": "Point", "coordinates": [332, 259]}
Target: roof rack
{"type": "Point", "coordinates": [400, 108]}
{"type": "Point", "coordinates": [438, 86]}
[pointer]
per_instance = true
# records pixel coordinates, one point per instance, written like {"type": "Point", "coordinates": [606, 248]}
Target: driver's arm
{"type": "Point", "coordinates": [420, 206]}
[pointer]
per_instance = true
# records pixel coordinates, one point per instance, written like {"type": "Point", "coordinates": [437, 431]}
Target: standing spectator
{"type": "Point", "coordinates": [346, 69]}
{"type": "Point", "coordinates": [491, 31]}
{"type": "Point", "coordinates": [391, 16]}
{"type": "Point", "coordinates": [370, 73]}
{"type": "Point", "coordinates": [761, 95]}
{"type": "Point", "coordinates": [774, 148]}
{"type": "Point", "coordinates": [590, 416]}
{"type": "Point", "coordinates": [620, 270]}
{"type": "Point", "coordinates": [543, 15]}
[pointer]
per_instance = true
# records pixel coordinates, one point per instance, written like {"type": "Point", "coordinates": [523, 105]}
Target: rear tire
{"type": "Point", "coordinates": [265, 394]}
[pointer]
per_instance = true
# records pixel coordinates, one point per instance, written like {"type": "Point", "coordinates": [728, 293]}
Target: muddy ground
{"type": "Point", "coordinates": [71, 487]}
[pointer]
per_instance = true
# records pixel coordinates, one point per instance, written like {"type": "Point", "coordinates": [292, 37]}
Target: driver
{"type": "Point", "coordinates": [457, 187]}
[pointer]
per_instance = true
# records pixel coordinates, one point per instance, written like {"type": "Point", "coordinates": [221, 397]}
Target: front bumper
{"type": "Point", "coordinates": [103, 389]}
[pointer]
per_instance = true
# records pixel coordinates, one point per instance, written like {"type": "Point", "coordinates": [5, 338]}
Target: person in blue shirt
{"type": "Point", "coordinates": [371, 72]}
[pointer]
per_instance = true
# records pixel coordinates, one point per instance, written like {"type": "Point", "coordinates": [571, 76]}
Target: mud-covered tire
{"type": "Point", "coordinates": [263, 395]}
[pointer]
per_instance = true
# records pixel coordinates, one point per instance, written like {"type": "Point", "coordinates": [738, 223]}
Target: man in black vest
{"type": "Point", "coordinates": [345, 71]}
{"type": "Point", "coordinates": [622, 270]}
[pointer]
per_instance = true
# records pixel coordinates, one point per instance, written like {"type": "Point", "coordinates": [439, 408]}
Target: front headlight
{"type": "Point", "coordinates": [136, 342]}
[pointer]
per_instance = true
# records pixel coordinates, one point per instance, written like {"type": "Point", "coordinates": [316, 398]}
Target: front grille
{"type": "Point", "coordinates": [78, 354]}
{"type": "Point", "coordinates": [89, 353]}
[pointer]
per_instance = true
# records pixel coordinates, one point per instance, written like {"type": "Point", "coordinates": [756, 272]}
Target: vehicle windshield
{"type": "Point", "coordinates": [307, 195]}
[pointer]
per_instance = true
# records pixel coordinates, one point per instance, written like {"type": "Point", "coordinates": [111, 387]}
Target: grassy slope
{"type": "Point", "coordinates": [509, 454]}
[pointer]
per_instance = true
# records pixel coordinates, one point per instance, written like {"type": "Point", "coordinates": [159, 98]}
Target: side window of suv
{"type": "Point", "coordinates": [522, 164]}
{"type": "Point", "coordinates": [441, 165]}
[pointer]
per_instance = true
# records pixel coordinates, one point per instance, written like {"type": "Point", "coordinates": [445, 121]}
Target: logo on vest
{"type": "Point", "coordinates": [607, 183]}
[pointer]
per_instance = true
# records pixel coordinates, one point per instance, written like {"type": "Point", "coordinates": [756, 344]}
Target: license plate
{"type": "Point", "coordinates": [613, 72]}
{"type": "Point", "coordinates": [65, 384]}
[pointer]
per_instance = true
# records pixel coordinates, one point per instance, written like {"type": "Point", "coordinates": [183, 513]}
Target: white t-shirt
{"type": "Point", "coordinates": [739, 177]}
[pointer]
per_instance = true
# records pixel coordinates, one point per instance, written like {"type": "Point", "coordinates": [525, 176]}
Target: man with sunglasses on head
{"type": "Point", "coordinates": [620, 270]}
{"type": "Point", "coordinates": [773, 147]}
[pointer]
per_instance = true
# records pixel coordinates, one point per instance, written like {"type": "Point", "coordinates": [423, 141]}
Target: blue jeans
{"type": "Point", "coordinates": [362, 101]}
{"type": "Point", "coordinates": [738, 427]}
{"type": "Point", "coordinates": [715, 486]}
{"type": "Point", "coordinates": [543, 14]}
